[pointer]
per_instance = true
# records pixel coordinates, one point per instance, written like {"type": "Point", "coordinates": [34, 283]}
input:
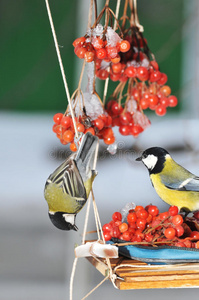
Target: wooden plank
{"type": "Point", "coordinates": [162, 277]}
{"type": "Point", "coordinates": [122, 285]}
{"type": "Point", "coordinates": [138, 273]}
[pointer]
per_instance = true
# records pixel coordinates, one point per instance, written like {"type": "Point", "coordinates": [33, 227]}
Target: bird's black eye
{"type": "Point", "coordinates": [144, 155]}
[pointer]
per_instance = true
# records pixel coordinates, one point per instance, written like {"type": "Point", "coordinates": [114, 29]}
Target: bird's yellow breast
{"type": "Point", "coordinates": [59, 201]}
{"type": "Point", "coordinates": [186, 199]}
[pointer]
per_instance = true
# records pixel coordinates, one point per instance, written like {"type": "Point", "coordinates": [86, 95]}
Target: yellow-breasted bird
{"type": "Point", "coordinates": [174, 184]}
{"type": "Point", "coordinates": [68, 187]}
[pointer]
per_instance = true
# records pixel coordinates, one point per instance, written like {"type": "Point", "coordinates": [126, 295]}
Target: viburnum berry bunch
{"type": "Point", "coordinates": [90, 116]}
{"type": "Point", "coordinates": [99, 44]}
{"type": "Point", "coordinates": [147, 226]}
{"type": "Point", "coordinates": [120, 52]}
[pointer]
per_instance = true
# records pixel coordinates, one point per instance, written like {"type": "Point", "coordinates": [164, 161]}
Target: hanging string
{"type": "Point", "coordinates": [61, 67]}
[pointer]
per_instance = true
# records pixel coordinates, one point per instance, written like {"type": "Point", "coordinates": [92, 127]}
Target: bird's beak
{"type": "Point", "coordinates": [139, 158]}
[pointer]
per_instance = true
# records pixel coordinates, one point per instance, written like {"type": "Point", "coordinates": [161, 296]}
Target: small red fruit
{"type": "Point", "coordinates": [170, 233]}
{"type": "Point", "coordinates": [117, 216]}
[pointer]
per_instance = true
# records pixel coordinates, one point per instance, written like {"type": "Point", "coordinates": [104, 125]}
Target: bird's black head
{"type": "Point", "coordinates": [63, 221]}
{"type": "Point", "coordinates": [154, 158]}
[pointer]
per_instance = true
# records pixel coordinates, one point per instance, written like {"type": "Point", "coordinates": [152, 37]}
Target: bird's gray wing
{"type": "Point", "coordinates": [73, 183]}
{"type": "Point", "coordinates": [68, 177]}
{"type": "Point", "coordinates": [187, 184]}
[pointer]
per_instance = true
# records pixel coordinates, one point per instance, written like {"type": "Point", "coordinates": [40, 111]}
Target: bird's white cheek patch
{"type": "Point", "coordinates": [150, 161]}
{"type": "Point", "coordinates": [69, 218]}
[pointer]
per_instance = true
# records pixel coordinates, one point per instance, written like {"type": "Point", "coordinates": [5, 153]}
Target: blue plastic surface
{"type": "Point", "coordinates": [159, 255]}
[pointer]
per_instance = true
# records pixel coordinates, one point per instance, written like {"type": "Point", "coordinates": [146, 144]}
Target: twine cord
{"type": "Point", "coordinates": [61, 66]}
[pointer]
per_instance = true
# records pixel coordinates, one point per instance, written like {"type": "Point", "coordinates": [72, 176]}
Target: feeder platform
{"type": "Point", "coordinates": [144, 276]}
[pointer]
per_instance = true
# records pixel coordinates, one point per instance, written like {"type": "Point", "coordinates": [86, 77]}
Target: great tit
{"type": "Point", "coordinates": [68, 187]}
{"type": "Point", "coordinates": [173, 183]}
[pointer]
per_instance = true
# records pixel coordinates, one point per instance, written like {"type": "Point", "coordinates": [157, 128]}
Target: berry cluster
{"type": "Point", "coordinates": [123, 57]}
{"type": "Point", "coordinates": [96, 45]}
{"type": "Point", "coordinates": [149, 227]}
{"type": "Point", "coordinates": [129, 120]}
{"type": "Point", "coordinates": [64, 128]}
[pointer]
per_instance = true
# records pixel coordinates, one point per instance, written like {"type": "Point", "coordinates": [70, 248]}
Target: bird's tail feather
{"type": "Point", "coordinates": [86, 152]}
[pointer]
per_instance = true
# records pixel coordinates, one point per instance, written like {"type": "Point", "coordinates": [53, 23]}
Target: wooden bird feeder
{"type": "Point", "coordinates": [133, 274]}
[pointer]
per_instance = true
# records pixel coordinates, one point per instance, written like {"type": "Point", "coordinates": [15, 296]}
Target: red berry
{"type": "Point", "coordinates": [160, 110]}
{"type": "Point", "coordinates": [173, 210]}
{"type": "Point", "coordinates": [124, 130]}
{"type": "Point", "coordinates": [126, 236]}
{"type": "Point", "coordinates": [148, 237]}
{"type": "Point", "coordinates": [142, 73]}
{"type": "Point", "coordinates": [136, 130]}
{"type": "Point", "coordinates": [164, 101]}
{"type": "Point", "coordinates": [80, 51]}
{"type": "Point", "coordinates": [166, 90]}
{"type": "Point", "coordinates": [141, 224]}
{"type": "Point", "coordinates": [153, 210]}
{"type": "Point", "coordinates": [173, 101]}
{"type": "Point", "coordinates": [123, 227]}
{"type": "Point", "coordinates": [115, 77]}
{"type": "Point", "coordinates": [116, 68]}
{"type": "Point", "coordinates": [80, 127]}
{"type": "Point", "coordinates": [110, 140]}
{"type": "Point", "coordinates": [124, 46]}
{"type": "Point", "coordinates": [164, 215]}
{"type": "Point", "coordinates": [54, 128]}
{"type": "Point", "coordinates": [130, 71]}
{"type": "Point", "coordinates": [79, 41]}
{"type": "Point", "coordinates": [73, 147]}
{"type": "Point", "coordinates": [155, 76]}
{"type": "Point", "coordinates": [102, 74]}
{"type": "Point", "coordinates": [170, 233]}
{"type": "Point", "coordinates": [142, 214]}
{"type": "Point", "coordinates": [117, 216]}
{"type": "Point", "coordinates": [138, 207]}
{"type": "Point", "coordinates": [99, 123]}
{"type": "Point", "coordinates": [163, 79]}
{"type": "Point", "coordinates": [89, 56]}
{"type": "Point", "coordinates": [131, 217]}
{"type": "Point", "coordinates": [66, 122]}
{"type": "Point", "coordinates": [144, 103]}
{"type": "Point", "coordinates": [57, 118]}
{"type": "Point", "coordinates": [154, 65]}
{"type": "Point", "coordinates": [177, 220]}
{"type": "Point", "coordinates": [115, 232]}
{"type": "Point", "coordinates": [116, 109]}
{"type": "Point", "coordinates": [125, 118]}
{"type": "Point", "coordinates": [68, 136]}
{"type": "Point", "coordinates": [101, 53]}
{"type": "Point", "coordinates": [195, 235]}
{"type": "Point", "coordinates": [107, 132]}
{"type": "Point", "coordinates": [153, 100]}
{"type": "Point", "coordinates": [107, 235]}
{"type": "Point", "coordinates": [107, 227]}
{"type": "Point", "coordinates": [179, 230]}
{"type": "Point", "coordinates": [116, 59]}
